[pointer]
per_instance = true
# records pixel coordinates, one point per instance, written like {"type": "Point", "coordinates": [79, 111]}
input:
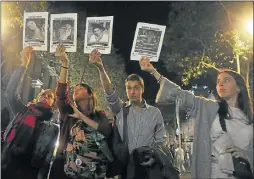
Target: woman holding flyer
{"type": "Point", "coordinates": [219, 152]}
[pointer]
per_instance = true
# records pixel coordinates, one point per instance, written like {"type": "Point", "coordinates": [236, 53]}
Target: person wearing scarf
{"type": "Point", "coordinates": [29, 139]}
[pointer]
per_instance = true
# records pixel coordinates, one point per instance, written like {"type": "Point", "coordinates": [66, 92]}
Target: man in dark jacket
{"type": "Point", "coordinates": [30, 138]}
{"type": "Point", "coordinates": [83, 130]}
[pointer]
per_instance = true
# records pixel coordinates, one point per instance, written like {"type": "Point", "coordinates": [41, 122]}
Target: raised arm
{"type": "Point", "coordinates": [115, 103]}
{"type": "Point", "coordinates": [11, 93]}
{"type": "Point", "coordinates": [170, 91]}
{"type": "Point", "coordinates": [62, 94]}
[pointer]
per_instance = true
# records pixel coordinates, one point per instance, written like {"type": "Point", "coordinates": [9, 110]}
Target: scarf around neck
{"type": "Point", "coordinates": [21, 131]}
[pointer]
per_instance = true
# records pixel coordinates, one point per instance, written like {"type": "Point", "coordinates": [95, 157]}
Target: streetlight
{"type": "Point", "coordinates": [249, 26]}
{"type": "Point", "coordinates": [249, 29]}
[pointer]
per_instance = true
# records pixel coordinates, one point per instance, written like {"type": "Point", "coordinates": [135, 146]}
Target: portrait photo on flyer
{"type": "Point", "coordinates": [35, 30]}
{"type": "Point", "coordinates": [98, 34]}
{"type": "Point", "coordinates": [63, 30]}
{"type": "Point", "coordinates": [147, 41]}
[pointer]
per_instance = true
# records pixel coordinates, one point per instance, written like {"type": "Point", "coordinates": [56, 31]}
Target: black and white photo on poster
{"type": "Point", "coordinates": [63, 31]}
{"type": "Point", "coordinates": [35, 30]}
{"type": "Point", "coordinates": [147, 41]}
{"type": "Point", "coordinates": [98, 34]}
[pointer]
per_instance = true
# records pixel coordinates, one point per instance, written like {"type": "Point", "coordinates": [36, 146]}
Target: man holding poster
{"type": "Point", "coordinates": [143, 132]}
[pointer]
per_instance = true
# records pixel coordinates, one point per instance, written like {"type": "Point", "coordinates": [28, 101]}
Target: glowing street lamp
{"type": "Point", "coordinates": [249, 26]}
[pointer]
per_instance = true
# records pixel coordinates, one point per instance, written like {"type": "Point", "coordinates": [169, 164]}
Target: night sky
{"type": "Point", "coordinates": [126, 16]}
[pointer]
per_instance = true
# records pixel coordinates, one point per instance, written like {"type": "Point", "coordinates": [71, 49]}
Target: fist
{"type": "Point", "coordinates": [146, 65]}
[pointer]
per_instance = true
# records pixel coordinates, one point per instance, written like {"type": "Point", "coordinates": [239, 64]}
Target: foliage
{"type": "Point", "coordinates": [199, 35]}
{"type": "Point", "coordinates": [15, 11]}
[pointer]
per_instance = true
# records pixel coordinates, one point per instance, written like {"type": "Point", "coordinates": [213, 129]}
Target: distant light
{"type": "Point", "coordinates": [249, 26]}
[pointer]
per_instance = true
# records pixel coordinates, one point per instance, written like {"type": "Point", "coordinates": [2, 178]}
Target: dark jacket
{"type": "Point", "coordinates": [163, 167]}
{"type": "Point", "coordinates": [30, 138]}
{"type": "Point", "coordinates": [66, 124]}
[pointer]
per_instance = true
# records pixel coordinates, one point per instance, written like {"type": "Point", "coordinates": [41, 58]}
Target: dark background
{"type": "Point", "coordinates": [126, 16]}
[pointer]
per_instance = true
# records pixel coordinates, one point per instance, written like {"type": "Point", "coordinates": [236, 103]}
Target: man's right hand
{"type": "Point", "coordinates": [146, 65]}
{"type": "Point", "coordinates": [60, 53]}
{"type": "Point", "coordinates": [95, 59]}
{"type": "Point", "coordinates": [26, 56]}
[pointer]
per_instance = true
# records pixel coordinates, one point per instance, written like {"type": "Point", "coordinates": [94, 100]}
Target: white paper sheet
{"type": "Point", "coordinates": [98, 34]}
{"type": "Point", "coordinates": [63, 30]}
{"type": "Point", "coordinates": [35, 30]}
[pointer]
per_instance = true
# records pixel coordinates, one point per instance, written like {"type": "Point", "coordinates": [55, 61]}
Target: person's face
{"type": "Point", "coordinates": [226, 86]}
{"type": "Point", "coordinates": [47, 97]}
{"type": "Point", "coordinates": [31, 25]}
{"type": "Point", "coordinates": [97, 32]}
{"type": "Point", "coordinates": [134, 91]}
{"type": "Point", "coordinates": [65, 31]}
{"type": "Point", "coordinates": [80, 93]}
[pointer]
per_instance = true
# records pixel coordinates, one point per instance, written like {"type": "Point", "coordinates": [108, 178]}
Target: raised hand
{"type": "Point", "coordinates": [145, 65]}
{"type": "Point", "coordinates": [95, 58]}
{"type": "Point", "coordinates": [61, 54]}
{"type": "Point", "coordinates": [26, 56]}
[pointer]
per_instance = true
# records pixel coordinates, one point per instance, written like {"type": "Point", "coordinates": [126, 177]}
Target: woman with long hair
{"type": "Point", "coordinates": [215, 150]}
{"type": "Point", "coordinates": [34, 31]}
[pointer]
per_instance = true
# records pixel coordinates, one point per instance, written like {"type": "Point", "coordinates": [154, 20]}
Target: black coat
{"type": "Point", "coordinates": [163, 168]}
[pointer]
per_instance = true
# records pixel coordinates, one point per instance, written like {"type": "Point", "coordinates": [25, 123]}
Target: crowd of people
{"type": "Point", "coordinates": [133, 146]}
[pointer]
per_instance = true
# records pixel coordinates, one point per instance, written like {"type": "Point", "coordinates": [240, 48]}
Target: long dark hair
{"type": "Point", "coordinates": [39, 23]}
{"type": "Point", "coordinates": [91, 93]}
{"type": "Point", "coordinates": [243, 99]}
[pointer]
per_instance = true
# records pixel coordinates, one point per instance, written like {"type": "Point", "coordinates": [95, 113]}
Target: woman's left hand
{"type": "Point", "coordinates": [236, 152]}
{"type": "Point", "coordinates": [77, 113]}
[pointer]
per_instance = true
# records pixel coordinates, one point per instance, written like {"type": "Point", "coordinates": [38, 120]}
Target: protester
{"type": "Point", "coordinates": [144, 131]}
{"type": "Point", "coordinates": [216, 152]}
{"type": "Point", "coordinates": [82, 151]}
{"type": "Point", "coordinates": [30, 138]}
